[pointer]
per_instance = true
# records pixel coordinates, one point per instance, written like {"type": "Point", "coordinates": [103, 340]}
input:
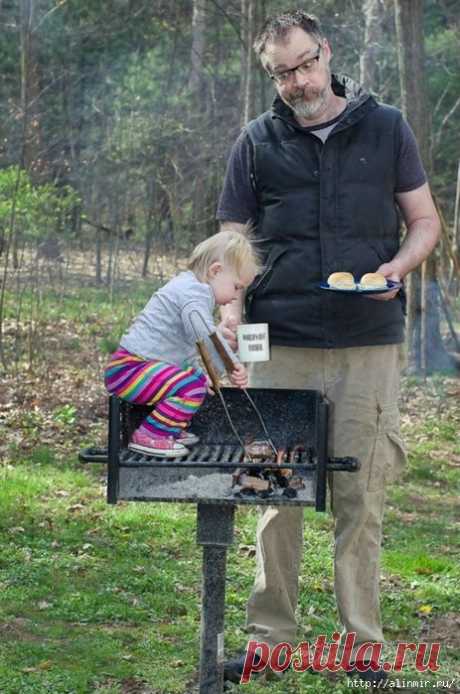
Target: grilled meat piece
{"type": "Point", "coordinates": [258, 449]}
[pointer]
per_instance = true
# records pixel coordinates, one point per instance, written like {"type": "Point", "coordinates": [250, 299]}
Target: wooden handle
{"type": "Point", "coordinates": [222, 352]}
{"type": "Point", "coordinates": [207, 361]}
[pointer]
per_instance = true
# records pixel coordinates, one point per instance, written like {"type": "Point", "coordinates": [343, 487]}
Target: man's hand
{"type": "Point", "coordinates": [239, 376]}
{"type": "Point", "coordinates": [423, 231]}
{"type": "Point", "coordinates": [228, 328]}
{"type": "Point", "coordinates": [390, 272]}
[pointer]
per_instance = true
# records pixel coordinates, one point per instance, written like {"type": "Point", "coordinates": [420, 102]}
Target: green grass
{"type": "Point", "coordinates": [96, 598]}
{"type": "Point", "coordinates": [93, 596]}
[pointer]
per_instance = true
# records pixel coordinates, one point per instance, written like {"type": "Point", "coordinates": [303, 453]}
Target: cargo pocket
{"type": "Point", "coordinates": [389, 455]}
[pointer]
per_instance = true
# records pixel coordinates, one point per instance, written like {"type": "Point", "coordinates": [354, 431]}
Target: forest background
{"type": "Point", "coordinates": [117, 119]}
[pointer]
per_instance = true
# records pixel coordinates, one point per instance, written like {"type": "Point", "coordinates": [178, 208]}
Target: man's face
{"type": "Point", "coordinates": [307, 89]}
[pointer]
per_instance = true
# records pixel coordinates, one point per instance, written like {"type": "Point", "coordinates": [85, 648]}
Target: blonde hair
{"type": "Point", "coordinates": [231, 247]}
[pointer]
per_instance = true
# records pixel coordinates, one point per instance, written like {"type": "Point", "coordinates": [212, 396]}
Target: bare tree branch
{"type": "Point", "coordinates": [449, 114]}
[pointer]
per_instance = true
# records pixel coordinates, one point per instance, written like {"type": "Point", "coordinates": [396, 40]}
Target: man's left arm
{"type": "Point", "coordinates": [423, 231]}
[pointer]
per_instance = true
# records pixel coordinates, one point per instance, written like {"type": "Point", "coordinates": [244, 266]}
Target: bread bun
{"type": "Point", "coordinates": [341, 280]}
{"type": "Point", "coordinates": [373, 280]}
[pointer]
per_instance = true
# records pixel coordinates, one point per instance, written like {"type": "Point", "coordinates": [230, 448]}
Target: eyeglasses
{"type": "Point", "coordinates": [304, 68]}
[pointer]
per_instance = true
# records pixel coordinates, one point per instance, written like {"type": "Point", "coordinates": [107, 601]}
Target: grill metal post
{"type": "Point", "coordinates": [322, 457]}
{"type": "Point", "coordinates": [215, 533]}
{"type": "Point", "coordinates": [113, 468]}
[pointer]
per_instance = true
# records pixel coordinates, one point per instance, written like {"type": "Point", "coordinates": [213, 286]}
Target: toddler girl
{"type": "Point", "coordinates": [156, 363]}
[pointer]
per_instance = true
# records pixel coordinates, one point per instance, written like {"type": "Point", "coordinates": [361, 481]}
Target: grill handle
{"type": "Point", "coordinates": [346, 464]}
{"type": "Point", "coordinates": [93, 455]}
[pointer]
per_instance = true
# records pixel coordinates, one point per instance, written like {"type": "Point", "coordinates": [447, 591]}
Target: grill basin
{"type": "Point", "coordinates": [293, 419]}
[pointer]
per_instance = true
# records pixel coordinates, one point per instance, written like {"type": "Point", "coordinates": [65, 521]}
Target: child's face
{"type": "Point", "coordinates": [226, 284]}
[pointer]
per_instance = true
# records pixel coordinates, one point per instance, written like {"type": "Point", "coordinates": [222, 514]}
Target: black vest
{"type": "Point", "coordinates": [324, 208]}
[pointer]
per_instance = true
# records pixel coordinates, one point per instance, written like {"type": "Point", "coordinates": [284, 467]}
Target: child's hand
{"type": "Point", "coordinates": [209, 386]}
{"type": "Point", "coordinates": [239, 376]}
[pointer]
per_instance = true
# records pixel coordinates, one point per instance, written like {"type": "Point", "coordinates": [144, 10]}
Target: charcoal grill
{"type": "Point", "coordinates": [296, 419]}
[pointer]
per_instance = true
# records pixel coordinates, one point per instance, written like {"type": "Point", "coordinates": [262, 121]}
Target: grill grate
{"type": "Point", "coordinates": [220, 456]}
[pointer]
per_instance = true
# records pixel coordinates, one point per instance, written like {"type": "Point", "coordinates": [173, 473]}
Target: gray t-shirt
{"type": "Point", "coordinates": [169, 325]}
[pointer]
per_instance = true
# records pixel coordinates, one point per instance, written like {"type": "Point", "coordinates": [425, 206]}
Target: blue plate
{"type": "Point", "coordinates": [390, 287]}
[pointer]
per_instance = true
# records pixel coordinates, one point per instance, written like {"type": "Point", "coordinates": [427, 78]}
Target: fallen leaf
{"type": "Point", "coordinates": [75, 507]}
{"type": "Point", "coordinates": [424, 570]}
{"type": "Point", "coordinates": [45, 665]}
{"type": "Point", "coordinates": [43, 605]}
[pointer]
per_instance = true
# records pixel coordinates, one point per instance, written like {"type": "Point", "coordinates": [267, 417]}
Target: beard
{"type": "Point", "coordinates": [310, 101]}
{"type": "Point", "coordinates": [307, 103]}
{"type": "Point", "coordinates": [311, 108]}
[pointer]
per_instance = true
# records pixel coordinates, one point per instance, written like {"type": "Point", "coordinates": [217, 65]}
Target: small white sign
{"type": "Point", "coordinates": [253, 342]}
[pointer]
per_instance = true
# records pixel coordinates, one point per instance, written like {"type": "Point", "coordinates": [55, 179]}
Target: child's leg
{"type": "Point", "coordinates": [176, 393]}
{"type": "Point", "coordinates": [176, 402]}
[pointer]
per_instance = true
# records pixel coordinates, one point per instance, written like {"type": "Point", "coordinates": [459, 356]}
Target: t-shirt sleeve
{"type": "Point", "coordinates": [410, 173]}
{"type": "Point", "coordinates": [238, 202]}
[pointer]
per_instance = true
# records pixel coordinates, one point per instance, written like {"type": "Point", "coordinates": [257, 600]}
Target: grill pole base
{"type": "Point", "coordinates": [215, 533]}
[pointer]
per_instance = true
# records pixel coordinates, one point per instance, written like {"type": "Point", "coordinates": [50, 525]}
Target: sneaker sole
{"type": "Point", "coordinates": [157, 452]}
{"type": "Point", "coordinates": [190, 442]}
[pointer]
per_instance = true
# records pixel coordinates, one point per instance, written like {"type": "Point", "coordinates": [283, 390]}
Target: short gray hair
{"type": "Point", "coordinates": [277, 27]}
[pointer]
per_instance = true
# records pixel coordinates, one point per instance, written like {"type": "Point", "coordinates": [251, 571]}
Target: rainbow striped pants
{"type": "Point", "coordinates": [174, 393]}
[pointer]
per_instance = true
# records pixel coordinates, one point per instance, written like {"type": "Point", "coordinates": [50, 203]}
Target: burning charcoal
{"type": "Point", "coordinates": [281, 480]}
{"type": "Point", "coordinates": [236, 476]}
{"type": "Point", "coordinates": [296, 483]}
{"type": "Point", "coordinates": [251, 482]}
{"type": "Point", "coordinates": [265, 494]}
{"type": "Point", "coordinates": [281, 457]}
{"type": "Point", "coordinates": [247, 492]}
{"type": "Point", "coordinates": [258, 449]}
{"type": "Point", "coordinates": [295, 455]}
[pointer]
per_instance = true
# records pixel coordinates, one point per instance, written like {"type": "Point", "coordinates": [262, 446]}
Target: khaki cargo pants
{"type": "Point", "coordinates": [362, 386]}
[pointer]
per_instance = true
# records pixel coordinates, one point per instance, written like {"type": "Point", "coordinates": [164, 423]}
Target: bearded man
{"type": "Point", "coordinates": [324, 177]}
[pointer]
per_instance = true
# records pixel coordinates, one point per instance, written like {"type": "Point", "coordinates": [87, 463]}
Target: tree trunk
{"type": "Point", "coordinates": [151, 189]}
{"type": "Point", "coordinates": [247, 88]}
{"type": "Point", "coordinates": [30, 88]}
{"type": "Point", "coordinates": [263, 91]}
{"type": "Point", "coordinates": [456, 234]}
{"type": "Point", "coordinates": [424, 337]}
{"type": "Point", "coordinates": [198, 46]}
{"type": "Point", "coordinates": [98, 257]}
{"type": "Point", "coordinates": [373, 39]}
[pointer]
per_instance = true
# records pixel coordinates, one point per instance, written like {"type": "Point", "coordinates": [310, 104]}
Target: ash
{"type": "Point", "coordinates": [207, 486]}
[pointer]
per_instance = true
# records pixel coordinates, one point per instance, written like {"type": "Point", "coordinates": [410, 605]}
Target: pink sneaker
{"type": "Point", "coordinates": [188, 438]}
{"type": "Point", "coordinates": [160, 447]}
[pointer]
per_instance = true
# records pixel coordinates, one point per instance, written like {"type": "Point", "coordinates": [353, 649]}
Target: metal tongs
{"type": "Point", "coordinates": [214, 376]}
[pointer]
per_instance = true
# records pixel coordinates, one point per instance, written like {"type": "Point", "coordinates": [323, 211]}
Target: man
{"type": "Point", "coordinates": [321, 176]}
